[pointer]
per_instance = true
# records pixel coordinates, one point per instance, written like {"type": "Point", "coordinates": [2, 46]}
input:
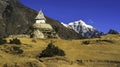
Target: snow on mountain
{"type": "Point", "coordinates": [66, 25]}
{"type": "Point", "coordinates": [80, 22]}
{"type": "Point", "coordinates": [84, 29]}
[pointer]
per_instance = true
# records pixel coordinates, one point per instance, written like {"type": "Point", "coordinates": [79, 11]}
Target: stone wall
{"type": "Point", "coordinates": [20, 36]}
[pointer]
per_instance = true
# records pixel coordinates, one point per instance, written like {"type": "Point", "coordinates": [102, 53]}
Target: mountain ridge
{"type": "Point", "coordinates": [16, 18]}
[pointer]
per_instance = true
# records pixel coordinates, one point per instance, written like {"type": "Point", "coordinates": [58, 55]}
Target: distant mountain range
{"type": "Point", "coordinates": [82, 28]}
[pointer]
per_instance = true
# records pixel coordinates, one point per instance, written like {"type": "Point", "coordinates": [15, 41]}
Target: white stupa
{"type": "Point", "coordinates": [40, 18]}
{"type": "Point", "coordinates": [41, 29]}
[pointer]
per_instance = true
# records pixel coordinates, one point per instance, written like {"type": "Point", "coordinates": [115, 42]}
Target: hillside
{"type": "Point", "coordinates": [102, 52]}
{"type": "Point", "coordinates": [15, 18]}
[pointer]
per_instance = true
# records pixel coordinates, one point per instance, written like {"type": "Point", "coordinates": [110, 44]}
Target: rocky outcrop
{"type": "Point", "coordinates": [15, 18]}
{"type": "Point", "coordinates": [111, 31]}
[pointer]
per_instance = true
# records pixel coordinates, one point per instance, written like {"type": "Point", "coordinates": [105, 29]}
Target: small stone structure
{"type": "Point", "coordinates": [41, 29]}
{"type": "Point", "coordinates": [20, 36]}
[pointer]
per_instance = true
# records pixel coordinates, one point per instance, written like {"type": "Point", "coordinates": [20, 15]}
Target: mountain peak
{"type": "Point", "coordinates": [80, 22]}
{"type": "Point", "coordinates": [82, 28]}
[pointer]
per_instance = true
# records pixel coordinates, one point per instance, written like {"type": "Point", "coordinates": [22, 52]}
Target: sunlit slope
{"type": "Point", "coordinates": [105, 48]}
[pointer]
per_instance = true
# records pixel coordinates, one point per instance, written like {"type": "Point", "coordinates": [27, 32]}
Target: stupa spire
{"type": "Point", "coordinates": [40, 18]}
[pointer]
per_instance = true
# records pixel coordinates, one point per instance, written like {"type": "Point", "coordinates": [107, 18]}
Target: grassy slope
{"type": "Point", "coordinates": [101, 51]}
{"type": "Point", "coordinates": [74, 49]}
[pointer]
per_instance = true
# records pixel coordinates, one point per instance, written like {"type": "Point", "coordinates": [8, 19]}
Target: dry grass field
{"type": "Point", "coordinates": [95, 52]}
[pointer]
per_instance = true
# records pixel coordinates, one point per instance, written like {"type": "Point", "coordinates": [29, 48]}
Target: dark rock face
{"type": "Point", "coordinates": [15, 18]}
{"type": "Point", "coordinates": [111, 31]}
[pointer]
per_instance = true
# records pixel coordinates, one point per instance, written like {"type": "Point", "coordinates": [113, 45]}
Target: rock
{"type": "Point", "coordinates": [111, 31]}
{"type": "Point", "coordinates": [38, 34]}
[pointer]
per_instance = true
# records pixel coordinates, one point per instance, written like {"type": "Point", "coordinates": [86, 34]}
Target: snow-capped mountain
{"type": "Point", "coordinates": [82, 28]}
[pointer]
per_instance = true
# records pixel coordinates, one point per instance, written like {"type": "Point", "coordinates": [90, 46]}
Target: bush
{"type": "Point", "coordinates": [86, 42]}
{"type": "Point", "coordinates": [15, 41]}
{"type": "Point", "coordinates": [34, 41]}
{"type": "Point", "coordinates": [15, 50]}
{"type": "Point", "coordinates": [109, 41]}
{"type": "Point", "coordinates": [2, 41]}
{"type": "Point", "coordinates": [51, 51]}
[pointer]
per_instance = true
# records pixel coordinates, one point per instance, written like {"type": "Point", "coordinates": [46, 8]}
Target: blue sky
{"type": "Point", "coordinates": [102, 14]}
